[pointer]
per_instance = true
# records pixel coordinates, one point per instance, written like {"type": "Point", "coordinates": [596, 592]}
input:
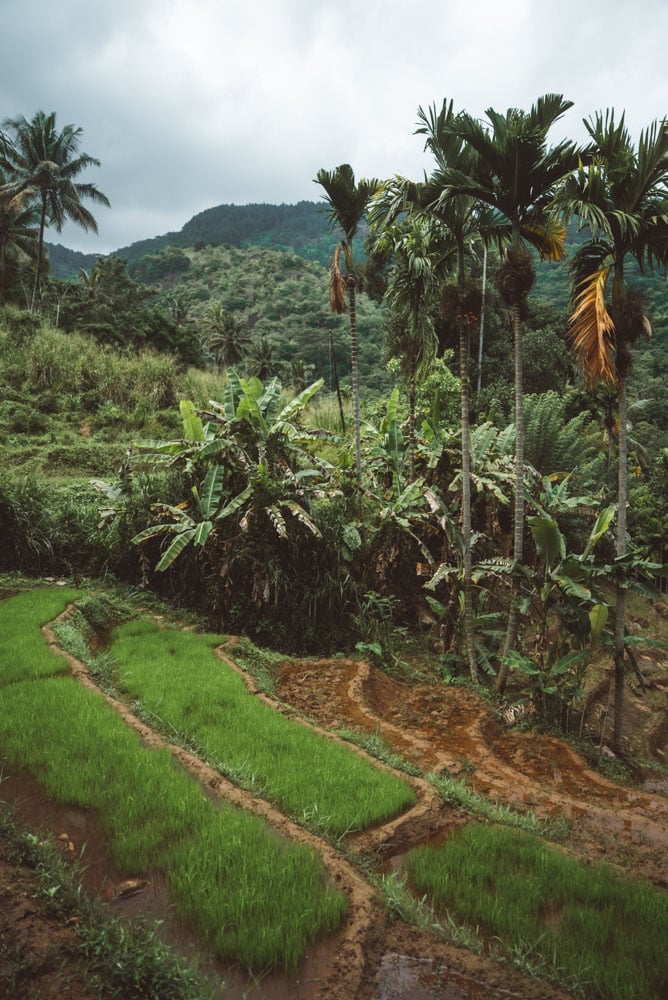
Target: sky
{"type": "Point", "coordinates": [190, 104]}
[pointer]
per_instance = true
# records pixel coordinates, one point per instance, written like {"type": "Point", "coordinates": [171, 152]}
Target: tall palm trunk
{"type": "Point", "coordinates": [620, 593]}
{"type": "Point", "coordinates": [356, 393]}
{"type": "Point", "coordinates": [622, 493]}
{"type": "Point", "coordinates": [412, 392]}
{"type": "Point", "coordinates": [469, 625]}
{"type": "Point", "coordinates": [518, 531]}
{"type": "Point", "coordinates": [482, 319]}
{"type": "Point", "coordinates": [40, 245]}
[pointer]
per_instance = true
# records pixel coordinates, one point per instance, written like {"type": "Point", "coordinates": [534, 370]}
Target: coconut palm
{"type": "Point", "coordinates": [515, 175]}
{"type": "Point", "coordinates": [37, 156]}
{"type": "Point", "coordinates": [622, 197]}
{"type": "Point", "coordinates": [227, 337]}
{"type": "Point", "coordinates": [18, 232]}
{"type": "Point", "coordinates": [347, 202]}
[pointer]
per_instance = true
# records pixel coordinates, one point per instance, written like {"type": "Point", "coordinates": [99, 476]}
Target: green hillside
{"type": "Point", "coordinates": [301, 228]}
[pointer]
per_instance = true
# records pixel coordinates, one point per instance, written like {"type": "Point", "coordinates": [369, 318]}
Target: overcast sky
{"type": "Point", "coordinates": [194, 103]}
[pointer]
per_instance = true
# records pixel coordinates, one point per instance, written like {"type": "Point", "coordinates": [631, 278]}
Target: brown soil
{"type": "Point", "coordinates": [440, 729]}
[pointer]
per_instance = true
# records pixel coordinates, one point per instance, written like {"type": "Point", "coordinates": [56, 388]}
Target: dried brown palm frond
{"type": "Point", "coordinates": [337, 283]}
{"type": "Point", "coordinates": [593, 330]}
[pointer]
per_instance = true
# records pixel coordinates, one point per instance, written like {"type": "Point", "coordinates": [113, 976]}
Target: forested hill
{"type": "Point", "coordinates": [301, 228]}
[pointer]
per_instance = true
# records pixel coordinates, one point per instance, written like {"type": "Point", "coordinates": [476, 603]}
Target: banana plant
{"type": "Point", "coordinates": [259, 469]}
{"type": "Point", "coordinates": [208, 510]}
{"type": "Point", "coordinates": [562, 598]}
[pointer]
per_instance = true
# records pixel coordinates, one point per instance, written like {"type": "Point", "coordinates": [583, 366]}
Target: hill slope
{"type": "Point", "coordinates": [302, 228]}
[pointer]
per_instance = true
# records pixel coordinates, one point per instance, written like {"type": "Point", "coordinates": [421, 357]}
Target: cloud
{"type": "Point", "coordinates": [193, 103]}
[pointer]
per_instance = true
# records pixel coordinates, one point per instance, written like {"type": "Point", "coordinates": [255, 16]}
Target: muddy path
{"type": "Point", "coordinates": [452, 730]}
{"type": "Point", "coordinates": [375, 957]}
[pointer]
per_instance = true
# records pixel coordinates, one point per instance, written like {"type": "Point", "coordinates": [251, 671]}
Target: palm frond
{"type": "Point", "coordinates": [549, 239]}
{"type": "Point", "coordinates": [592, 329]}
{"type": "Point", "coordinates": [337, 283]}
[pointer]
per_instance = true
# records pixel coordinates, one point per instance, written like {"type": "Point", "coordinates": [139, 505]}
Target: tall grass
{"type": "Point", "coordinates": [603, 935]}
{"type": "Point", "coordinates": [176, 676]}
{"type": "Point", "coordinates": [257, 899]}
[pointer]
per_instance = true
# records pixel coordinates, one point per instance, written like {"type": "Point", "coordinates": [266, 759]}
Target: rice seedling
{"type": "Point", "coordinates": [176, 676]}
{"type": "Point", "coordinates": [23, 651]}
{"type": "Point", "coordinates": [257, 899]}
{"type": "Point", "coordinates": [583, 924]}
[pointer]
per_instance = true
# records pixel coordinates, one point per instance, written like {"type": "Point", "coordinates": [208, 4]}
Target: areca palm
{"type": "Point", "coordinates": [453, 221]}
{"type": "Point", "coordinates": [37, 156]}
{"type": "Point", "coordinates": [347, 202]}
{"type": "Point", "coordinates": [515, 175]}
{"type": "Point", "coordinates": [18, 232]}
{"type": "Point", "coordinates": [412, 293]}
{"type": "Point", "coordinates": [622, 196]}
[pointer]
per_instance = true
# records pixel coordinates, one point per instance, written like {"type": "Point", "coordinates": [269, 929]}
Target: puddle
{"type": "Point", "coordinates": [403, 977]}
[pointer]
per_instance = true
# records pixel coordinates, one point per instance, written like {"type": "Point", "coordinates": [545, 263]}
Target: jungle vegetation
{"type": "Point", "coordinates": [318, 479]}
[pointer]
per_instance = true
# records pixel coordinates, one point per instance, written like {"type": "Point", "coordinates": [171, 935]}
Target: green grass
{"type": "Point", "coordinates": [176, 676]}
{"type": "Point", "coordinates": [457, 793]}
{"type": "Point", "coordinates": [258, 899]}
{"type": "Point", "coordinates": [599, 934]}
{"type": "Point", "coordinates": [23, 652]}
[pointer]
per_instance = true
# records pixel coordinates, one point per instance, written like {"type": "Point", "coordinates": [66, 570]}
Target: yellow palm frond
{"type": "Point", "coordinates": [337, 283]}
{"type": "Point", "coordinates": [549, 239]}
{"type": "Point", "coordinates": [592, 329]}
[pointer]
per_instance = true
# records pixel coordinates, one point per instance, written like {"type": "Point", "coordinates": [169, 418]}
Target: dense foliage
{"type": "Point", "coordinates": [206, 385]}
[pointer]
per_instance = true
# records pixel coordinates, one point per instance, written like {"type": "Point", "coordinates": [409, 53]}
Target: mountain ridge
{"type": "Point", "coordinates": [302, 227]}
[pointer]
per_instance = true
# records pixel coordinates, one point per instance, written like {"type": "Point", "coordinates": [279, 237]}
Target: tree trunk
{"type": "Point", "coordinates": [518, 534]}
{"type": "Point", "coordinates": [482, 320]}
{"type": "Point", "coordinates": [40, 246]}
{"type": "Point", "coordinates": [336, 381]}
{"type": "Point", "coordinates": [469, 627]}
{"type": "Point", "coordinates": [356, 394]}
{"type": "Point", "coordinates": [411, 426]}
{"type": "Point", "coordinates": [620, 595]}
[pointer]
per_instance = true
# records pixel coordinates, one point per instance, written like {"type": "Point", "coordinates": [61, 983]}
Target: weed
{"type": "Point", "coordinates": [457, 793]}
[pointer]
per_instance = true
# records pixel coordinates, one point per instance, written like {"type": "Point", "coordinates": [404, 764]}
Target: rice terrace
{"type": "Point", "coordinates": [233, 801]}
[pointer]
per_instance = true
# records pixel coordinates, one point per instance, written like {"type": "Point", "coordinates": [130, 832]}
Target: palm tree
{"type": "Point", "coordinates": [453, 221]}
{"type": "Point", "coordinates": [18, 232]}
{"type": "Point", "coordinates": [515, 175]}
{"type": "Point", "coordinates": [262, 361]}
{"type": "Point", "coordinates": [36, 156]}
{"type": "Point", "coordinates": [227, 338]}
{"type": "Point", "coordinates": [411, 293]}
{"type": "Point", "coordinates": [622, 196]}
{"type": "Point", "coordinates": [347, 202]}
